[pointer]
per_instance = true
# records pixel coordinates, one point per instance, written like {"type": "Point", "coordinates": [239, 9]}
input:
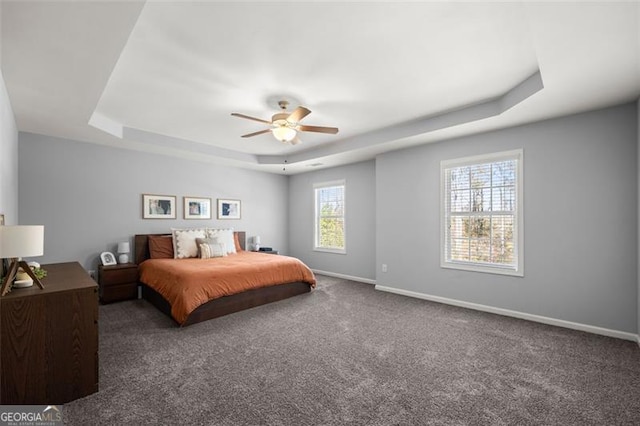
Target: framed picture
{"type": "Point", "coordinates": [197, 208]}
{"type": "Point", "coordinates": [2, 267]}
{"type": "Point", "coordinates": [107, 258]}
{"type": "Point", "coordinates": [228, 209]}
{"type": "Point", "coordinates": [158, 206]}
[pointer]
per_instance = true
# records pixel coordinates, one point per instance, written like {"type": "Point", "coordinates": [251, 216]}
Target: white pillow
{"type": "Point", "coordinates": [225, 236]}
{"type": "Point", "coordinates": [184, 242]}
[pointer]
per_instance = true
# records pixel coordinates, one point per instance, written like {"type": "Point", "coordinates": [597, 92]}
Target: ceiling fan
{"type": "Point", "coordinates": [285, 126]}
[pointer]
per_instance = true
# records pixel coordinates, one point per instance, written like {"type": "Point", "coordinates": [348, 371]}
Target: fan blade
{"type": "Point", "coordinates": [318, 129]}
{"type": "Point", "coordinates": [256, 133]}
{"type": "Point", "coordinates": [295, 141]}
{"type": "Point", "coordinates": [298, 114]}
{"type": "Point", "coordinates": [235, 114]}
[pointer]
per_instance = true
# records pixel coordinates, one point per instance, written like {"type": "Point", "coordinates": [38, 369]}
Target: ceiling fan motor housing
{"type": "Point", "coordinates": [280, 118]}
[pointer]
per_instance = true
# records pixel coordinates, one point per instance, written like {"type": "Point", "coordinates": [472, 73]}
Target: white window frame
{"type": "Point", "coordinates": [518, 230]}
{"type": "Point", "coordinates": [316, 219]}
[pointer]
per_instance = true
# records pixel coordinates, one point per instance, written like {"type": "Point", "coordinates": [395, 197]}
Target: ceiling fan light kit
{"type": "Point", "coordinates": [285, 126]}
{"type": "Point", "coordinates": [284, 133]}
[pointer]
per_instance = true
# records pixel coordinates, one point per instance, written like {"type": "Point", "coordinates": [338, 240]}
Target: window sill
{"type": "Point", "coordinates": [483, 269]}
{"type": "Point", "coordinates": [327, 250]}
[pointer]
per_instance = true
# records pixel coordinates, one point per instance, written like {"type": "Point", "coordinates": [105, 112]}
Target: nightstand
{"type": "Point", "coordinates": [118, 282]}
{"type": "Point", "coordinates": [269, 251]}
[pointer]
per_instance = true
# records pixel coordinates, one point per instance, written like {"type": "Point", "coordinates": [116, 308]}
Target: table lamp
{"type": "Point", "coordinates": [256, 243]}
{"type": "Point", "coordinates": [123, 249]}
{"type": "Point", "coordinates": [16, 242]}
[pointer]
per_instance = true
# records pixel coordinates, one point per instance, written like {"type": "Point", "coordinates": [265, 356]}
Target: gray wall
{"type": "Point", "coordinates": [88, 196]}
{"type": "Point", "coordinates": [359, 261]}
{"type": "Point", "coordinates": [638, 260]}
{"type": "Point", "coordinates": [8, 158]}
{"type": "Point", "coordinates": [581, 222]}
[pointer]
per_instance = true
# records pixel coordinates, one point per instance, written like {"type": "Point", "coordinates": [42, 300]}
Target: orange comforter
{"type": "Point", "coordinates": [188, 283]}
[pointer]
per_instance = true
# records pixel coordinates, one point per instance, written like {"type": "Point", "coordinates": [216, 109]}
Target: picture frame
{"type": "Point", "coordinates": [197, 208]}
{"type": "Point", "coordinates": [156, 206]}
{"type": "Point", "coordinates": [107, 258]}
{"type": "Point", "coordinates": [2, 261]}
{"type": "Point", "coordinates": [228, 209]}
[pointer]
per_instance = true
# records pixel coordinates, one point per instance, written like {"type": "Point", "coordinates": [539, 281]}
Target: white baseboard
{"type": "Point", "coordinates": [509, 313]}
{"type": "Point", "coordinates": [345, 277]}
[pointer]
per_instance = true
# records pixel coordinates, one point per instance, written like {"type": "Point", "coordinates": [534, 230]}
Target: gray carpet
{"type": "Point", "coordinates": [347, 354]}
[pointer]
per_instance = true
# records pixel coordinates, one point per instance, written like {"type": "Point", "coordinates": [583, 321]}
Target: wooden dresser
{"type": "Point", "coordinates": [49, 340]}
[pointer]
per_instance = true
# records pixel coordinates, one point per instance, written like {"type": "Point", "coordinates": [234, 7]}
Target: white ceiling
{"type": "Point", "coordinates": [164, 76]}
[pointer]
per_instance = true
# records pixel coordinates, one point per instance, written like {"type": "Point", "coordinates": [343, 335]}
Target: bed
{"type": "Point", "coordinates": [168, 298]}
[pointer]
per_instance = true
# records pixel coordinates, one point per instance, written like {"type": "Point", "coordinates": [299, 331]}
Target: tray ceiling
{"type": "Point", "coordinates": [165, 76]}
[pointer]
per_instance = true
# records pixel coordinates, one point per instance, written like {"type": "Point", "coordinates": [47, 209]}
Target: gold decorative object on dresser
{"type": "Point", "coordinates": [49, 339]}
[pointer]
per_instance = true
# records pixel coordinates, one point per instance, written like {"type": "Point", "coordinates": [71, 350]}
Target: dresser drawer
{"type": "Point", "coordinates": [117, 292]}
{"type": "Point", "coordinates": [117, 275]}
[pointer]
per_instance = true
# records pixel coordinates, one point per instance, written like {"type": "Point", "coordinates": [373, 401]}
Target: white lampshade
{"type": "Point", "coordinates": [123, 247]}
{"type": "Point", "coordinates": [256, 239]}
{"type": "Point", "coordinates": [284, 134]}
{"type": "Point", "coordinates": [21, 241]}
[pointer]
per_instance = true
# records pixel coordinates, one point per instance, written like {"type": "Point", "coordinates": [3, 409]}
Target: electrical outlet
{"type": "Point", "coordinates": [384, 267]}
{"type": "Point", "coordinates": [92, 274]}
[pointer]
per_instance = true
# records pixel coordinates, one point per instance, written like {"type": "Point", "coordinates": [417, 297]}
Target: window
{"type": "Point", "coordinates": [329, 217]}
{"type": "Point", "coordinates": [482, 213]}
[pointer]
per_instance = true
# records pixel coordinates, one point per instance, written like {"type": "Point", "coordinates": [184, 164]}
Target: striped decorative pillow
{"type": "Point", "coordinates": [211, 247]}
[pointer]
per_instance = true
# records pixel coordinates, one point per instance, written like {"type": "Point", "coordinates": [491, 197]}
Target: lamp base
{"type": "Point", "coordinates": [13, 269]}
{"type": "Point", "coordinates": [123, 258]}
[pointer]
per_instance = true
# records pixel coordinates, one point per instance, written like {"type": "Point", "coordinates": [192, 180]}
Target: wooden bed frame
{"type": "Point", "coordinates": [224, 305]}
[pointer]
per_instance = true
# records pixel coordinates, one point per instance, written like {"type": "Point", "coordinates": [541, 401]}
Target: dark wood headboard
{"type": "Point", "coordinates": [141, 245]}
